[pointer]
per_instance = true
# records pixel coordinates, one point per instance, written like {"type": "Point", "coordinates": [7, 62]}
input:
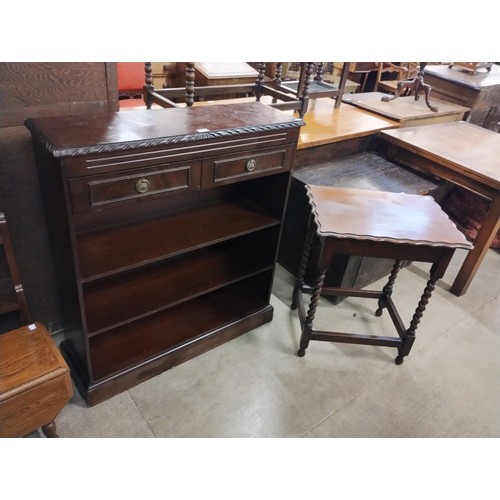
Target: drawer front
{"type": "Point", "coordinates": [235, 168]}
{"type": "Point", "coordinates": [106, 190]}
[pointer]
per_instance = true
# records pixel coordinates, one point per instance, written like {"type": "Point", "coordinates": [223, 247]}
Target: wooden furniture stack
{"type": "Point", "coordinates": [284, 95]}
{"type": "Point", "coordinates": [164, 226]}
{"type": "Point", "coordinates": [188, 93]}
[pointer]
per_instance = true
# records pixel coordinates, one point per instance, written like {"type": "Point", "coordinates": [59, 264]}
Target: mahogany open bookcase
{"type": "Point", "coordinates": [165, 226]}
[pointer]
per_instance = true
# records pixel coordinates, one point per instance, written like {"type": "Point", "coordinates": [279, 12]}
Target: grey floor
{"type": "Point", "coordinates": [256, 386]}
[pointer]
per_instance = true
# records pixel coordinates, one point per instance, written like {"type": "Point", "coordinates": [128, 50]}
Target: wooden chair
{"type": "Point", "coordinates": [359, 72]}
{"type": "Point", "coordinates": [186, 96]}
{"type": "Point", "coordinates": [396, 73]}
{"type": "Point", "coordinates": [285, 95]}
{"type": "Point", "coordinates": [181, 96]}
{"type": "Point", "coordinates": [309, 87]}
{"type": "Point", "coordinates": [130, 77]}
{"type": "Point", "coordinates": [12, 299]}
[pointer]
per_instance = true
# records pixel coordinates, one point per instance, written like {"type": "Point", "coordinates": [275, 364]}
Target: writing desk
{"type": "Point", "coordinates": [465, 155]}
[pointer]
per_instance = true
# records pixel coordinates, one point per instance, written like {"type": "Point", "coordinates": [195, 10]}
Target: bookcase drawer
{"type": "Point", "coordinates": [235, 168]}
{"type": "Point", "coordinates": [105, 190]}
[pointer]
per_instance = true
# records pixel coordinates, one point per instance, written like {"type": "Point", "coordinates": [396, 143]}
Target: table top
{"type": "Point", "coordinates": [226, 70]}
{"type": "Point", "coordinates": [465, 148]}
{"type": "Point", "coordinates": [382, 216]}
{"type": "Point", "coordinates": [326, 124]}
{"type": "Point", "coordinates": [403, 107]}
{"type": "Point", "coordinates": [28, 353]}
{"type": "Point", "coordinates": [482, 79]}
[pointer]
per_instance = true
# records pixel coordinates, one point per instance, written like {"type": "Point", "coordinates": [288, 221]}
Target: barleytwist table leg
{"type": "Point", "coordinates": [308, 324]}
{"type": "Point", "coordinates": [409, 336]}
{"type": "Point", "coordinates": [387, 290]}
{"type": "Point", "coordinates": [299, 282]}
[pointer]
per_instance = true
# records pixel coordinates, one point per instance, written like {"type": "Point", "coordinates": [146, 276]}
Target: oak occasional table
{"type": "Point", "coordinates": [395, 226]}
{"type": "Point", "coordinates": [462, 154]}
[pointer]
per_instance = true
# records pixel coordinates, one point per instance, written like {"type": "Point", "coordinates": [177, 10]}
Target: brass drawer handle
{"type": "Point", "coordinates": [142, 186]}
{"type": "Point", "coordinates": [250, 165]}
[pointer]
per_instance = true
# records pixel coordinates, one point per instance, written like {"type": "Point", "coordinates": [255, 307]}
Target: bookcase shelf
{"type": "Point", "coordinates": [118, 300]}
{"type": "Point", "coordinates": [171, 329]}
{"type": "Point", "coordinates": [112, 251]}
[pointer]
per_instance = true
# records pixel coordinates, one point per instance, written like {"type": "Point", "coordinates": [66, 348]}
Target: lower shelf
{"type": "Point", "coordinates": [122, 299]}
{"type": "Point", "coordinates": [136, 352]}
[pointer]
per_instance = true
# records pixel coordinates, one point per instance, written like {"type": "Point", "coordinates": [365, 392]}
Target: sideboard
{"type": "Point", "coordinates": [164, 226]}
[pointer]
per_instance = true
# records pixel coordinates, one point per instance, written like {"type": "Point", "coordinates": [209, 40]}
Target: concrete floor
{"type": "Point", "coordinates": [256, 386]}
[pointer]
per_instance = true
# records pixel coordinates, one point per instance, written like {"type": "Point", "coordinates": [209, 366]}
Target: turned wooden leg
{"type": "Point", "coordinates": [409, 335]}
{"type": "Point", "coordinates": [308, 324]}
{"type": "Point", "coordinates": [299, 282]}
{"type": "Point", "coordinates": [387, 290]}
{"type": "Point", "coordinates": [50, 430]}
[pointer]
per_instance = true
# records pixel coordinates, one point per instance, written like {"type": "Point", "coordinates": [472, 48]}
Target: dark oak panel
{"type": "Point", "coordinates": [30, 90]}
